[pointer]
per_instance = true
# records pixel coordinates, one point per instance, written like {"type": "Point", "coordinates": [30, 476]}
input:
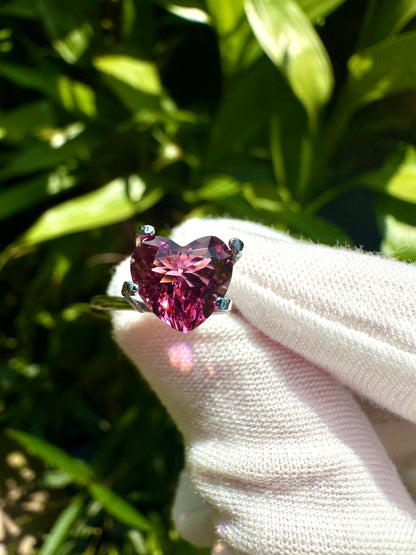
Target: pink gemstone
{"type": "Point", "coordinates": [179, 284]}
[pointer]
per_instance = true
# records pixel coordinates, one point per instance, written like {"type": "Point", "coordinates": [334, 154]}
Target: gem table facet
{"type": "Point", "coordinates": [181, 284]}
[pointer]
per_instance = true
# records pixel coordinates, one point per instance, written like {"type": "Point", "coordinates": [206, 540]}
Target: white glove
{"type": "Point", "coordinates": [280, 452]}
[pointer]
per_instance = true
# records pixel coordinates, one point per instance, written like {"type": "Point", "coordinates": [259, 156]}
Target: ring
{"type": "Point", "coordinates": [182, 286]}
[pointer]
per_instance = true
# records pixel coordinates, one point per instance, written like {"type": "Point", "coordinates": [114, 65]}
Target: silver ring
{"type": "Point", "coordinates": [182, 286]}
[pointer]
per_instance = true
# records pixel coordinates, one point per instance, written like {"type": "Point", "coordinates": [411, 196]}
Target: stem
{"type": "Point", "coordinates": [329, 195]}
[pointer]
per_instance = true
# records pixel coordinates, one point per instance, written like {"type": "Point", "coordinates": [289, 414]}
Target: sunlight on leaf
{"type": "Point", "coordinates": [75, 95]}
{"type": "Point", "coordinates": [399, 239]}
{"type": "Point", "coordinates": [191, 13]}
{"type": "Point", "coordinates": [288, 38]}
{"type": "Point", "coordinates": [397, 177]}
{"type": "Point", "coordinates": [215, 187]}
{"type": "Point", "coordinates": [104, 206]}
{"type": "Point", "coordinates": [141, 75]}
{"type": "Point", "coordinates": [381, 70]}
{"type": "Point", "coordinates": [74, 44]}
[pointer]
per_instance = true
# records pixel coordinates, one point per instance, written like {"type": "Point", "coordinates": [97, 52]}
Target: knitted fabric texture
{"type": "Point", "coordinates": [277, 448]}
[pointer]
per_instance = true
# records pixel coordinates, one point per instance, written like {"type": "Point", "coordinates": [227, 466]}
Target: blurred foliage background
{"type": "Point", "coordinates": [297, 114]}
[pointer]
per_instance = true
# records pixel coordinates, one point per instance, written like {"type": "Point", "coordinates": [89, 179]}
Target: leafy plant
{"type": "Point", "coordinates": [297, 114]}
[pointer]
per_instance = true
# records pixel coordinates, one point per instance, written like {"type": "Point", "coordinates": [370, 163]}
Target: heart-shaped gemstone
{"type": "Point", "coordinates": [180, 284]}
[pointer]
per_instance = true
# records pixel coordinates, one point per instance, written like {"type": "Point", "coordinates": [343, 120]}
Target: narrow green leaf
{"type": "Point", "coordinates": [317, 9]}
{"type": "Point", "coordinates": [397, 177]}
{"type": "Point", "coordinates": [26, 119]}
{"type": "Point", "coordinates": [381, 70]}
{"type": "Point", "coordinates": [32, 192]}
{"type": "Point", "coordinates": [117, 201]}
{"type": "Point", "coordinates": [384, 18]}
{"type": "Point", "coordinates": [79, 471]}
{"type": "Point", "coordinates": [291, 148]}
{"type": "Point", "coordinates": [36, 79]}
{"type": "Point", "coordinates": [70, 93]}
{"type": "Point", "coordinates": [42, 156]}
{"type": "Point", "coordinates": [118, 507]}
{"type": "Point", "coordinates": [19, 8]}
{"type": "Point", "coordinates": [62, 526]}
{"type": "Point", "coordinates": [236, 42]}
{"type": "Point", "coordinates": [288, 38]}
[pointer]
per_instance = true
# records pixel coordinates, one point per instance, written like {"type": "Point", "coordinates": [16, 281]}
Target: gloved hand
{"type": "Point", "coordinates": [278, 449]}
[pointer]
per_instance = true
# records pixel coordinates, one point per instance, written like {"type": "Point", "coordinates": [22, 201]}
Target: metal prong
{"type": "Point", "coordinates": [145, 232]}
{"type": "Point", "coordinates": [236, 246]}
{"type": "Point", "coordinates": [129, 292]}
{"type": "Point", "coordinates": [223, 305]}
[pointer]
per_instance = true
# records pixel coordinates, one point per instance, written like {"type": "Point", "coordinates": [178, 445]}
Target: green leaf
{"type": "Point", "coordinates": [253, 94]}
{"type": "Point", "coordinates": [136, 82]}
{"type": "Point", "coordinates": [290, 214]}
{"type": "Point", "coordinates": [381, 70]}
{"type": "Point", "coordinates": [76, 96]}
{"type": "Point", "coordinates": [70, 93]}
{"type": "Point", "coordinates": [384, 18]}
{"type": "Point", "coordinates": [26, 119]}
{"type": "Point", "coordinates": [74, 44]}
{"type": "Point", "coordinates": [397, 177]}
{"type": "Point", "coordinates": [397, 221]}
{"type": "Point", "coordinates": [19, 8]}
{"type": "Point", "coordinates": [29, 193]}
{"type": "Point", "coordinates": [62, 526]}
{"type": "Point", "coordinates": [215, 187]}
{"type": "Point", "coordinates": [399, 238]}
{"type": "Point", "coordinates": [141, 75]}
{"type": "Point", "coordinates": [288, 38]}
{"type": "Point", "coordinates": [38, 79]}
{"type": "Point", "coordinates": [79, 471]}
{"type": "Point", "coordinates": [191, 10]}
{"type": "Point", "coordinates": [236, 42]}
{"type": "Point", "coordinates": [118, 507]}
{"type": "Point", "coordinates": [263, 96]}
{"type": "Point", "coordinates": [42, 156]}
{"type": "Point", "coordinates": [117, 201]}
{"type": "Point", "coordinates": [291, 149]}
{"type": "Point", "coordinates": [65, 23]}
{"type": "Point", "coordinates": [317, 9]}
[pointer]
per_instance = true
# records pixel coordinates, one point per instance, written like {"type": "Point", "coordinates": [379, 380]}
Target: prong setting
{"type": "Point", "coordinates": [223, 305]}
{"type": "Point", "coordinates": [130, 293]}
{"type": "Point", "coordinates": [145, 232]}
{"type": "Point", "coordinates": [236, 247]}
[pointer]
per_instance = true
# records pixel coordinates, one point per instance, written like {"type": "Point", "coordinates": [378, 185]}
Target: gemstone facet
{"type": "Point", "coordinates": [181, 284]}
